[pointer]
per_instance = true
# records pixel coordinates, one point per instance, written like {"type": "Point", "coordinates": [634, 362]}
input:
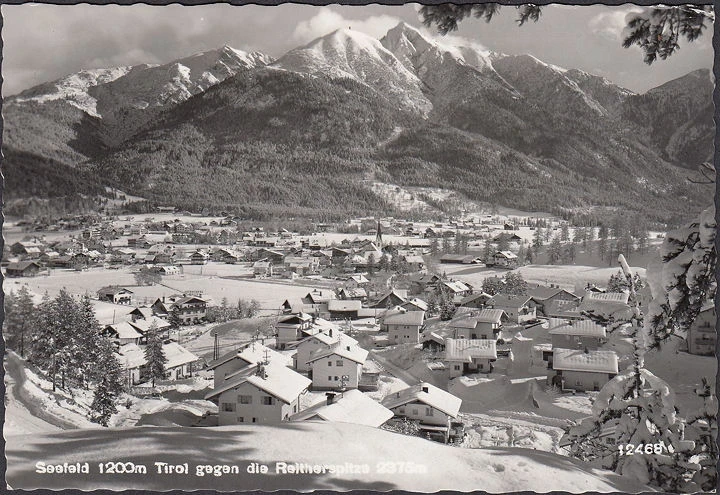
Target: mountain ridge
{"type": "Point", "coordinates": [368, 109]}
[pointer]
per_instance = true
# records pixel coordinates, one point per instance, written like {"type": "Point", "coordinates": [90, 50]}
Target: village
{"type": "Point", "coordinates": [443, 330]}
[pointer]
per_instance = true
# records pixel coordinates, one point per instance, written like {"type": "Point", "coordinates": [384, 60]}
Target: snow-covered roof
{"type": "Point", "coordinates": [351, 406]}
{"type": "Point", "coordinates": [584, 328]}
{"type": "Point", "coordinates": [506, 254]}
{"type": "Point", "coordinates": [578, 360]}
{"type": "Point", "coordinates": [616, 297]}
{"type": "Point", "coordinates": [277, 380]}
{"type": "Point", "coordinates": [125, 331]}
{"type": "Point", "coordinates": [455, 286]}
{"type": "Point", "coordinates": [466, 349]}
{"type": "Point", "coordinates": [509, 300]}
{"type": "Point", "coordinates": [352, 352]}
{"type": "Point", "coordinates": [344, 305]}
{"type": "Point", "coordinates": [489, 315]}
{"type": "Point", "coordinates": [427, 394]}
{"type": "Point", "coordinates": [255, 353]}
{"type": "Point", "coordinates": [418, 303]}
{"type": "Point", "coordinates": [177, 355]}
{"type": "Point", "coordinates": [144, 325]}
{"type": "Point", "coordinates": [543, 293]}
{"type": "Point", "coordinates": [133, 355]}
{"type": "Point", "coordinates": [144, 311]}
{"type": "Point", "coordinates": [296, 319]}
{"type": "Point", "coordinates": [328, 339]}
{"type": "Point", "coordinates": [407, 318]}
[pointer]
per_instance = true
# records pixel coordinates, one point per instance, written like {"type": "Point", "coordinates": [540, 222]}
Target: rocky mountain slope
{"type": "Point", "coordinates": [310, 132]}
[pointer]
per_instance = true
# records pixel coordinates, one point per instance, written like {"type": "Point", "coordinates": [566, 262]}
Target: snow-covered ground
{"type": "Point", "coordinates": [394, 461]}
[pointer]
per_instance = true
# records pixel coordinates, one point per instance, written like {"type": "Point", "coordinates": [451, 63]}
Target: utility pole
{"type": "Point", "coordinates": [216, 346]}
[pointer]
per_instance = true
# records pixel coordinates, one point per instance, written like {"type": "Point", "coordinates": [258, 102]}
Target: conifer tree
{"type": "Point", "coordinates": [155, 358]}
{"type": "Point", "coordinates": [640, 409]}
{"type": "Point", "coordinates": [103, 405]}
{"type": "Point", "coordinates": [19, 312]}
{"type": "Point", "coordinates": [683, 280]}
{"type": "Point", "coordinates": [538, 238]}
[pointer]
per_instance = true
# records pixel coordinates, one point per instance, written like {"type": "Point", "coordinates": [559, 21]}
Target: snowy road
{"type": "Point", "coordinates": [20, 414]}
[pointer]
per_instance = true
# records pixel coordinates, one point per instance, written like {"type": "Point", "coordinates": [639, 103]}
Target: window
{"type": "Point", "coordinates": [245, 399]}
{"type": "Point", "coordinates": [474, 336]}
{"type": "Point", "coordinates": [267, 400]}
{"type": "Point", "coordinates": [254, 420]}
{"type": "Point", "coordinates": [457, 367]}
{"type": "Point", "coordinates": [329, 363]}
{"type": "Point", "coordinates": [481, 366]}
{"type": "Point", "coordinates": [241, 419]}
{"type": "Point", "coordinates": [228, 407]}
{"type": "Point", "coordinates": [339, 362]}
{"type": "Point", "coordinates": [336, 378]}
{"type": "Point", "coordinates": [415, 412]}
{"type": "Point", "coordinates": [401, 410]}
{"type": "Point", "coordinates": [428, 411]}
{"type": "Point", "coordinates": [294, 408]}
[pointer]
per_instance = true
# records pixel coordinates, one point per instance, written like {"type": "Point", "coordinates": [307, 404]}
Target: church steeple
{"type": "Point", "coordinates": [378, 236]}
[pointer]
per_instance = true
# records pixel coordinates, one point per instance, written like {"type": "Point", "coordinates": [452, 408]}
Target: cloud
{"type": "Point", "coordinates": [610, 25]}
{"type": "Point", "coordinates": [327, 21]}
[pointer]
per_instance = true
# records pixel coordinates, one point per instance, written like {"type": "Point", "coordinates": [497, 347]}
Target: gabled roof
{"type": "Point", "coordinates": [427, 394]}
{"type": "Point", "coordinates": [475, 296]}
{"type": "Point", "coordinates": [615, 297]}
{"type": "Point", "coordinates": [188, 299]}
{"type": "Point", "coordinates": [319, 296]}
{"type": "Point", "coordinates": [110, 290]}
{"type": "Point", "coordinates": [344, 305]}
{"type": "Point", "coordinates": [349, 351]}
{"type": "Point", "coordinates": [351, 406]}
{"type": "Point", "coordinates": [466, 349]}
{"type": "Point", "coordinates": [485, 316]}
{"type": "Point", "coordinates": [21, 265]}
{"type": "Point", "coordinates": [279, 381]}
{"type": "Point", "coordinates": [416, 318]}
{"type": "Point", "coordinates": [295, 319]}
{"type": "Point", "coordinates": [506, 254]}
{"type": "Point", "coordinates": [490, 315]}
{"type": "Point", "coordinates": [144, 325]}
{"type": "Point", "coordinates": [455, 286]}
{"type": "Point", "coordinates": [328, 340]}
{"type": "Point", "coordinates": [133, 355]}
{"type": "Point", "coordinates": [584, 328]}
{"type": "Point", "coordinates": [124, 330]}
{"type": "Point", "coordinates": [509, 300]}
{"type": "Point", "coordinates": [543, 293]}
{"type": "Point", "coordinates": [578, 360]}
{"type": "Point", "coordinates": [418, 303]}
{"type": "Point", "coordinates": [354, 292]}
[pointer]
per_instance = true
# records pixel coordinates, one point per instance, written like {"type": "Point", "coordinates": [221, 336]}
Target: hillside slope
{"type": "Point", "coordinates": [433, 466]}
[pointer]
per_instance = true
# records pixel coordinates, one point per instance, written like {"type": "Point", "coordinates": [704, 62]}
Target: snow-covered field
{"type": "Point", "coordinates": [569, 277]}
{"type": "Point", "coordinates": [394, 461]}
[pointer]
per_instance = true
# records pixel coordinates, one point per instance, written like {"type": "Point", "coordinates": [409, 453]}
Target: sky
{"type": "Point", "coordinates": [45, 42]}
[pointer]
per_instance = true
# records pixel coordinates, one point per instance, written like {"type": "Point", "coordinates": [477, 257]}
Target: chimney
{"type": "Point", "coordinates": [424, 387]}
{"type": "Point", "coordinates": [330, 397]}
{"type": "Point", "coordinates": [330, 332]}
{"type": "Point", "coordinates": [347, 347]}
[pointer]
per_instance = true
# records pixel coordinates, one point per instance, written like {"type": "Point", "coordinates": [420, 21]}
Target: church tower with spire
{"type": "Point", "coordinates": [378, 236]}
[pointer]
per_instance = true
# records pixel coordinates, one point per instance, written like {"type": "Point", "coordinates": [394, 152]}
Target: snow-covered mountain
{"type": "Point", "coordinates": [354, 55]}
{"type": "Point", "coordinates": [102, 92]}
{"type": "Point", "coordinates": [450, 74]}
{"type": "Point", "coordinates": [346, 110]}
{"type": "Point", "coordinates": [74, 89]}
